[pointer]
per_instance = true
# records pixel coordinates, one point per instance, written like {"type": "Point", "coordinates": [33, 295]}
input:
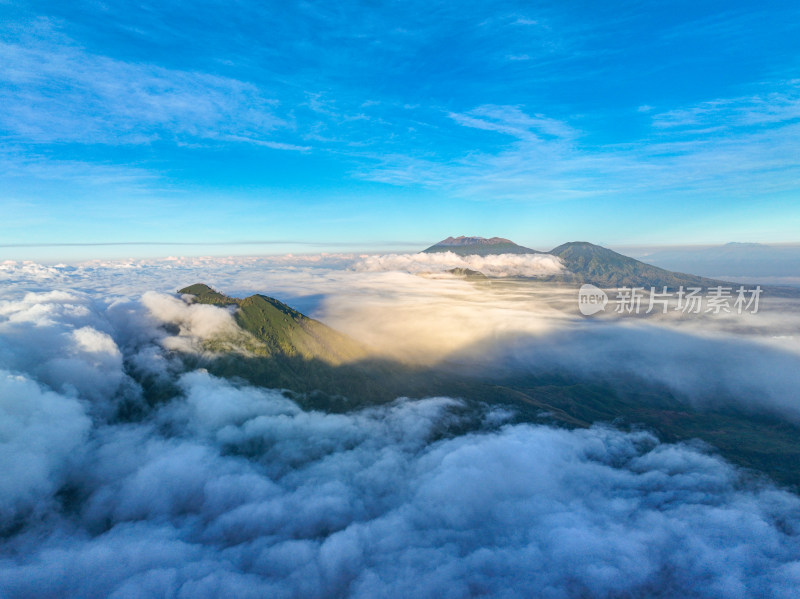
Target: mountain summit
{"type": "Point", "coordinates": [590, 263]}
{"type": "Point", "coordinates": [468, 246]}
{"type": "Point", "coordinates": [464, 240]}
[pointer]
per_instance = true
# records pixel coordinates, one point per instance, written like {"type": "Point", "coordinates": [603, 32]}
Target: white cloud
{"type": "Point", "coordinates": [702, 367]}
{"type": "Point", "coordinates": [40, 431]}
{"type": "Point", "coordinates": [264, 498]}
{"type": "Point", "coordinates": [199, 320]}
{"type": "Point", "coordinates": [511, 120]}
{"type": "Point", "coordinates": [95, 342]}
{"type": "Point", "coordinates": [498, 265]}
{"type": "Point", "coordinates": [63, 339]}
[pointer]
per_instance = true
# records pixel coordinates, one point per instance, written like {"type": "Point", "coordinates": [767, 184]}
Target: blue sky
{"type": "Point", "coordinates": [337, 126]}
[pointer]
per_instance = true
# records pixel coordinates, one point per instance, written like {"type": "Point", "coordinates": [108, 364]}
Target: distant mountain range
{"type": "Point", "coordinates": [584, 262]}
{"type": "Point", "coordinates": [753, 260]}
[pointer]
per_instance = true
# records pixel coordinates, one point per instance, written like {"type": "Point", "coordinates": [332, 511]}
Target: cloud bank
{"type": "Point", "coordinates": [501, 265]}
{"type": "Point", "coordinates": [253, 496]}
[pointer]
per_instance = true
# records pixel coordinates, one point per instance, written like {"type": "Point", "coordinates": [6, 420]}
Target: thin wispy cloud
{"type": "Point", "coordinates": [513, 121]}
{"type": "Point", "coordinates": [759, 110]}
{"type": "Point", "coordinates": [548, 159]}
{"type": "Point", "coordinates": [18, 165]}
{"type": "Point", "coordinates": [56, 91]}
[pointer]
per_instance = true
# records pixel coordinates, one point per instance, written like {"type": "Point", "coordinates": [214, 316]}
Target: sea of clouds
{"type": "Point", "coordinates": [219, 489]}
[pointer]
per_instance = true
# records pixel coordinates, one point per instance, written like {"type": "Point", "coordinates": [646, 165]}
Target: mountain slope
{"type": "Point", "coordinates": [589, 263]}
{"type": "Point", "coordinates": [280, 329]}
{"type": "Point", "coordinates": [480, 246]}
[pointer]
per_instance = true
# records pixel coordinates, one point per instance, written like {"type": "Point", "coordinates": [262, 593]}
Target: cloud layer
{"type": "Point", "coordinates": [500, 265]}
{"type": "Point", "coordinates": [254, 496]}
{"type": "Point", "coordinates": [125, 474]}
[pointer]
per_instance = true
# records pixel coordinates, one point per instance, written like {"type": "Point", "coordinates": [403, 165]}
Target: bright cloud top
{"type": "Point", "coordinates": [499, 265]}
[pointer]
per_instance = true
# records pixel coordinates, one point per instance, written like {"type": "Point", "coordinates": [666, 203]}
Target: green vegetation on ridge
{"type": "Point", "coordinates": [280, 329]}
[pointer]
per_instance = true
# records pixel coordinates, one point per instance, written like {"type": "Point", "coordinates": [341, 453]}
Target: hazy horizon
{"type": "Point", "coordinates": [771, 264]}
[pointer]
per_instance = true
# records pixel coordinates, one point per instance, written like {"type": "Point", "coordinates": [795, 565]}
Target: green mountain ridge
{"type": "Point", "coordinates": [280, 329]}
